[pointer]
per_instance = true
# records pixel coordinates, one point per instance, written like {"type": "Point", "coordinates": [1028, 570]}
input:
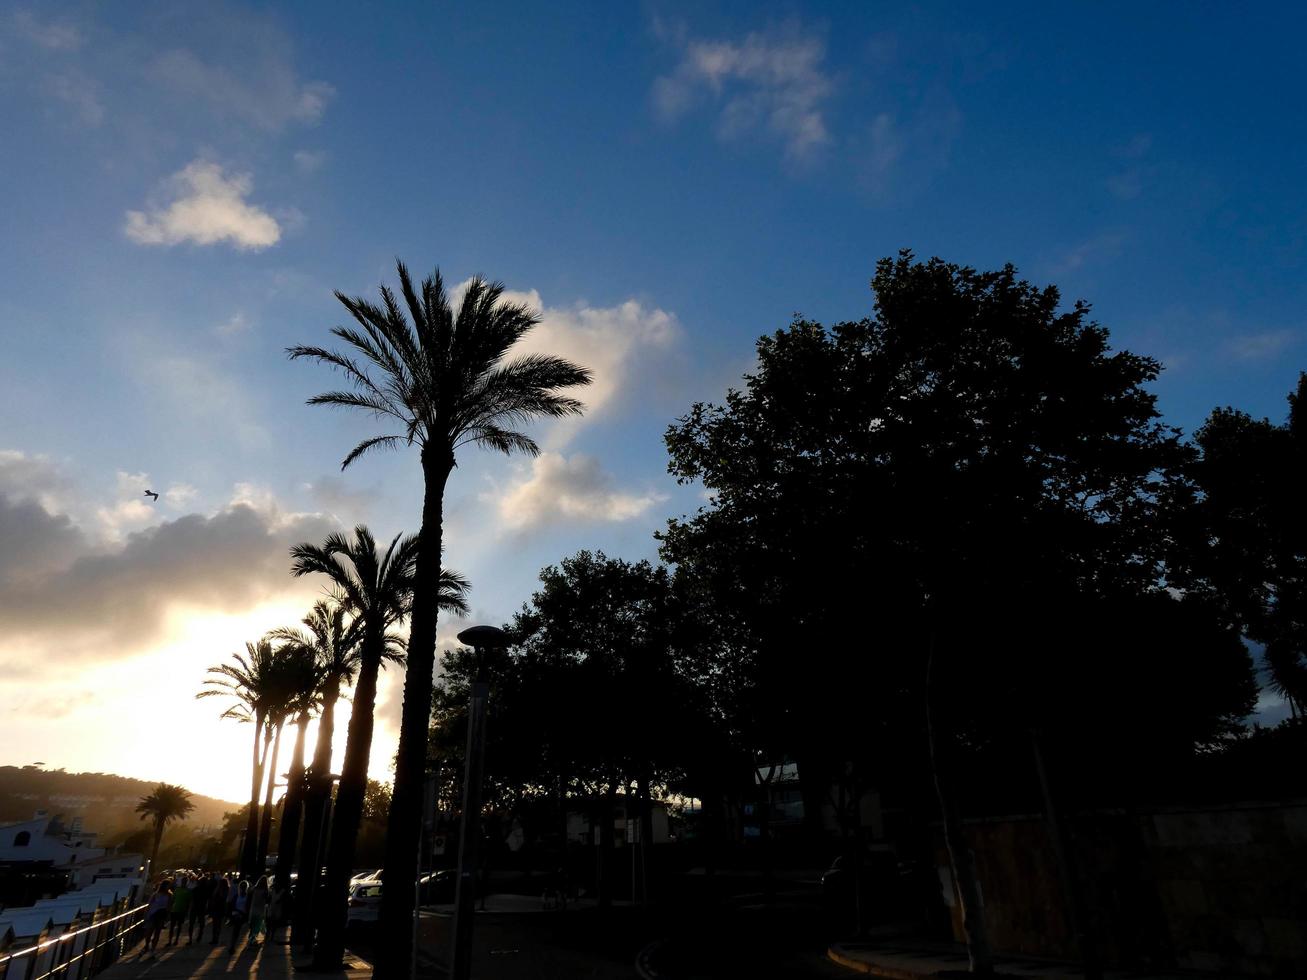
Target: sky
{"type": "Point", "coordinates": [182, 187]}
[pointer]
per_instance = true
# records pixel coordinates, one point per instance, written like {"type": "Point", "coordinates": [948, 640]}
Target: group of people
{"type": "Point", "coordinates": [185, 901]}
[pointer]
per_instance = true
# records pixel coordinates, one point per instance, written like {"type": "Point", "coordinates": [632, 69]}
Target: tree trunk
{"type": "Point", "coordinates": [158, 839]}
{"type": "Point", "coordinates": [249, 847]}
{"type": "Point", "coordinates": [317, 795]}
{"type": "Point", "coordinates": [290, 811]}
{"type": "Point", "coordinates": [646, 835]}
{"type": "Point", "coordinates": [398, 898]}
{"type": "Point", "coordinates": [332, 910]}
{"type": "Point", "coordinates": [265, 830]}
{"type": "Point", "coordinates": [959, 854]}
{"type": "Point", "coordinates": [606, 844]}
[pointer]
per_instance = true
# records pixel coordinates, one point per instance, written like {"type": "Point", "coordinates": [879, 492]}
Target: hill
{"type": "Point", "coordinates": [105, 802]}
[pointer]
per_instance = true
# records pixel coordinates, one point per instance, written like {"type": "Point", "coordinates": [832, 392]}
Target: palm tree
{"type": "Point", "coordinates": [249, 682]}
{"type": "Point", "coordinates": [334, 640]}
{"type": "Point", "coordinates": [377, 590]}
{"type": "Point", "coordinates": [163, 805]}
{"type": "Point", "coordinates": [441, 378]}
{"type": "Point", "coordinates": [295, 687]}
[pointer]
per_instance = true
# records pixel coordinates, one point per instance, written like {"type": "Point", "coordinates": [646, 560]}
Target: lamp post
{"type": "Point", "coordinates": [479, 638]}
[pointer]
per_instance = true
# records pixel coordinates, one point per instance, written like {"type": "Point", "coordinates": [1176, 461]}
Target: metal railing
{"type": "Point", "coordinates": [79, 954]}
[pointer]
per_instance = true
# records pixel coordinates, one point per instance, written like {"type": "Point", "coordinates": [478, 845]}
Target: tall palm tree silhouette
{"type": "Point", "coordinates": [164, 804]}
{"type": "Point", "coordinates": [441, 378]}
{"type": "Point", "coordinates": [376, 589]}
{"type": "Point", "coordinates": [248, 680]}
{"type": "Point", "coordinates": [295, 695]}
{"type": "Point", "coordinates": [334, 643]}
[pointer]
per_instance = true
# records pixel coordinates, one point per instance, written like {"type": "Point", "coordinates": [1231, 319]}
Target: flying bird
{"type": "Point", "coordinates": [151, 493]}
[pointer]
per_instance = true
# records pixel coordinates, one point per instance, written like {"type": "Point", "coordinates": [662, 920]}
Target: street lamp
{"type": "Point", "coordinates": [479, 638]}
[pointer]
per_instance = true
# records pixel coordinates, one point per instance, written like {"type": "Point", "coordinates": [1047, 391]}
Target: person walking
{"type": "Point", "coordinates": [156, 915]}
{"type": "Point", "coordinates": [218, 906]}
{"type": "Point", "coordinates": [259, 901]}
{"type": "Point", "coordinates": [180, 909]}
{"type": "Point", "coordinates": [238, 911]}
{"type": "Point", "coordinates": [199, 907]}
{"type": "Point", "coordinates": [278, 908]}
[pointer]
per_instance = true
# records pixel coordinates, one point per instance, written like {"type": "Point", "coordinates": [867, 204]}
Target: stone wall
{"type": "Point", "coordinates": [1218, 889]}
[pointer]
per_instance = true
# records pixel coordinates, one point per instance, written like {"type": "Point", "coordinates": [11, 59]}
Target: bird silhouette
{"type": "Point", "coordinates": [151, 493]}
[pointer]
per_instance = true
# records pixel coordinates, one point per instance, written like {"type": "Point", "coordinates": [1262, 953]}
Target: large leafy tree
{"type": "Point", "coordinates": [928, 497]}
{"type": "Point", "coordinates": [588, 701]}
{"type": "Point", "coordinates": [440, 377]}
{"type": "Point", "coordinates": [1248, 540]}
{"type": "Point", "coordinates": [250, 682]}
{"type": "Point", "coordinates": [377, 590]}
{"type": "Point", "coordinates": [164, 804]}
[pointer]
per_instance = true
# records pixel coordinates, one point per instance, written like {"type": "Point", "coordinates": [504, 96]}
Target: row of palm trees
{"type": "Point", "coordinates": [291, 674]}
{"type": "Point", "coordinates": [442, 378]}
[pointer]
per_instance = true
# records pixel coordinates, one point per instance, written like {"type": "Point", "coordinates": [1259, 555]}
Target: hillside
{"type": "Point", "coordinates": [106, 803]}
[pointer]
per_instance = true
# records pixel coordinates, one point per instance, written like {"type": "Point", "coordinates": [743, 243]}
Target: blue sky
{"type": "Point", "coordinates": [181, 188]}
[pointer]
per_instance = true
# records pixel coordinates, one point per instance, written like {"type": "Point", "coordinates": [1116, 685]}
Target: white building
{"type": "Point", "coordinates": [43, 839]}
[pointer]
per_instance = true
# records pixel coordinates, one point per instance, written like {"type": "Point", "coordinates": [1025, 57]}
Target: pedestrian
{"type": "Point", "coordinates": [218, 906]}
{"type": "Point", "coordinates": [260, 898]}
{"type": "Point", "coordinates": [238, 910]}
{"type": "Point", "coordinates": [180, 909]}
{"type": "Point", "coordinates": [199, 907]}
{"type": "Point", "coordinates": [156, 915]}
{"type": "Point", "coordinates": [278, 907]}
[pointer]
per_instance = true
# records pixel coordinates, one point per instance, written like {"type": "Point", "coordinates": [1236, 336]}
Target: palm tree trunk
{"type": "Point", "coordinates": [158, 839]}
{"type": "Point", "coordinates": [318, 793]}
{"type": "Point", "coordinates": [249, 847]}
{"type": "Point", "coordinates": [265, 829]}
{"type": "Point", "coordinates": [332, 909]}
{"type": "Point", "coordinates": [395, 939]}
{"type": "Point", "coordinates": [959, 854]}
{"type": "Point", "coordinates": [290, 811]}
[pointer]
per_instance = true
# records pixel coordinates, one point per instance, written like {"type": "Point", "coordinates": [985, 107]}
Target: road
{"type": "Point", "coordinates": [740, 936]}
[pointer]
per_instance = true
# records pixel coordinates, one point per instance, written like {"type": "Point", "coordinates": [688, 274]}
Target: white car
{"type": "Point", "coordinates": [364, 903]}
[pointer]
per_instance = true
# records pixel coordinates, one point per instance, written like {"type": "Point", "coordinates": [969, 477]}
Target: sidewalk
{"type": "Point", "coordinates": [925, 961]}
{"type": "Point", "coordinates": [264, 961]}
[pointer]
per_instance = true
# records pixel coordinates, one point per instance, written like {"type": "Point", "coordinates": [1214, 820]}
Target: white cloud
{"type": "Point", "coordinates": [609, 340]}
{"type": "Point", "coordinates": [309, 161]}
{"type": "Point", "coordinates": [1256, 346]}
{"type": "Point", "coordinates": [263, 90]}
{"type": "Point", "coordinates": [203, 205]}
{"type": "Point", "coordinates": [78, 91]}
{"type": "Point", "coordinates": [237, 323]}
{"type": "Point", "coordinates": [774, 83]}
{"type": "Point", "coordinates": [53, 35]}
{"type": "Point", "coordinates": [559, 488]}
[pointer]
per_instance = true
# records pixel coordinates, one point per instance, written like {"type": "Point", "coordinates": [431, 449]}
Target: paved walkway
{"type": "Point", "coordinates": [259, 961]}
{"type": "Point", "coordinates": [923, 961]}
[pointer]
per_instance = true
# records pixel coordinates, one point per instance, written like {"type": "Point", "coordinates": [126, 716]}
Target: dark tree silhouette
{"type": "Point", "coordinates": [162, 806]}
{"type": "Point", "coordinates": [913, 481]}
{"type": "Point", "coordinates": [1248, 533]}
{"type": "Point", "coordinates": [440, 377]}
{"type": "Point", "coordinates": [377, 590]}
{"type": "Point", "coordinates": [250, 683]}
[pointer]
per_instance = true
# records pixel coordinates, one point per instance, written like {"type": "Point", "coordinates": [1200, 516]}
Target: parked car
{"type": "Point", "coordinates": [879, 894]}
{"type": "Point", "coordinates": [364, 904]}
{"type": "Point", "coordinates": [438, 887]}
